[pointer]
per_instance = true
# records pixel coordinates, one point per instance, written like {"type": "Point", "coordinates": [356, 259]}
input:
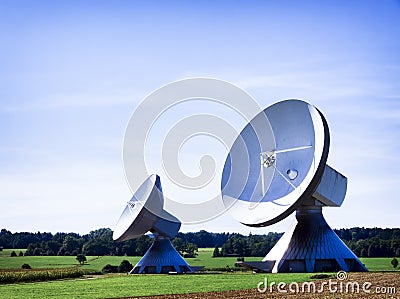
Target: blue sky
{"type": "Point", "coordinates": [72, 73]}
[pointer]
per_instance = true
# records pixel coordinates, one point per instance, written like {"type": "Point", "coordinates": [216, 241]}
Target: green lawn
{"type": "Point", "coordinates": [120, 285]}
{"type": "Point", "coordinates": [377, 263]}
{"type": "Point", "coordinates": [93, 262]}
{"type": "Point", "coordinates": [97, 263]}
{"type": "Point", "coordinates": [7, 252]}
{"type": "Point", "coordinates": [204, 258]}
{"type": "Point", "coordinates": [37, 262]}
{"type": "Point", "coordinates": [123, 285]}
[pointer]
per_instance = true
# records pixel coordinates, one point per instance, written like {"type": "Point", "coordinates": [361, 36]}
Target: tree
{"type": "Point", "coordinates": [373, 250]}
{"type": "Point", "coordinates": [394, 263]}
{"type": "Point", "coordinates": [102, 234]}
{"type": "Point", "coordinates": [179, 245]}
{"type": "Point", "coordinates": [97, 247]}
{"type": "Point", "coordinates": [71, 243]}
{"type": "Point", "coordinates": [364, 252]}
{"type": "Point", "coordinates": [13, 253]}
{"type": "Point", "coordinates": [61, 251]}
{"type": "Point", "coordinates": [191, 250]}
{"type": "Point", "coordinates": [81, 258]}
{"type": "Point", "coordinates": [52, 246]}
{"type": "Point", "coordinates": [37, 251]}
{"type": "Point", "coordinates": [21, 253]}
{"type": "Point", "coordinates": [216, 252]}
{"type": "Point", "coordinates": [142, 244]}
{"type": "Point", "coordinates": [204, 239]}
{"type": "Point", "coordinates": [129, 247]}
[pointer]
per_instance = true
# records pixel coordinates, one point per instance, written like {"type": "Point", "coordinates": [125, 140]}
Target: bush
{"type": "Point", "coordinates": [21, 253]}
{"type": "Point", "coordinates": [216, 252]}
{"type": "Point", "coordinates": [394, 263]}
{"type": "Point", "coordinates": [13, 253]}
{"type": "Point", "coordinates": [26, 266]}
{"type": "Point", "coordinates": [125, 267]}
{"type": "Point", "coordinates": [109, 269]}
{"type": "Point", "coordinates": [81, 258]}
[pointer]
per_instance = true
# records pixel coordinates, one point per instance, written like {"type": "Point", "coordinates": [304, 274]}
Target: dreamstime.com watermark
{"type": "Point", "coordinates": [339, 285]}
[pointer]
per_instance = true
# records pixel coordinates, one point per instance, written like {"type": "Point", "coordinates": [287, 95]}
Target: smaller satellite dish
{"type": "Point", "coordinates": [144, 213]}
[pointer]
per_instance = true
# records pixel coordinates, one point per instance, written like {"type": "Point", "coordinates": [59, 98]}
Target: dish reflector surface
{"type": "Point", "coordinates": [141, 212]}
{"type": "Point", "coordinates": [276, 162]}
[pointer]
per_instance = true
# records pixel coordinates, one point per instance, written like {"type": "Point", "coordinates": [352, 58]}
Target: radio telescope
{"type": "Point", "coordinates": [144, 213]}
{"type": "Point", "coordinates": [277, 166]}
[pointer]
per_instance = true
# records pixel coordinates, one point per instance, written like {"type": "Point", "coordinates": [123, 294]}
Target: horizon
{"type": "Point", "coordinates": [211, 232]}
{"type": "Point", "coordinates": [73, 73]}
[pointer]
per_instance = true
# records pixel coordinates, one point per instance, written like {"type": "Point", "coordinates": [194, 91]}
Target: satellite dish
{"type": "Point", "coordinates": [144, 213]}
{"type": "Point", "coordinates": [276, 166]}
{"type": "Point", "coordinates": [285, 149]}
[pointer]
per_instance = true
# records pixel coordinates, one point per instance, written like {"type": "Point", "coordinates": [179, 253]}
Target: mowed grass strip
{"type": "Point", "coordinates": [378, 263]}
{"type": "Point", "coordinates": [204, 258]}
{"type": "Point", "coordinates": [47, 262]}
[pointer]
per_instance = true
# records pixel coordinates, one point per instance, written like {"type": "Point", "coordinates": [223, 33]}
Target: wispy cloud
{"type": "Point", "coordinates": [77, 100]}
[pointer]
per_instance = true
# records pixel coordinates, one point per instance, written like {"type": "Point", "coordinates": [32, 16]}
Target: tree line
{"type": "Point", "coordinates": [372, 242]}
{"type": "Point", "coordinates": [365, 242]}
{"type": "Point", "coordinates": [96, 243]}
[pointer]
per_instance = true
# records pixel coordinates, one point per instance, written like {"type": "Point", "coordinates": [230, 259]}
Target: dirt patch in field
{"type": "Point", "coordinates": [376, 286]}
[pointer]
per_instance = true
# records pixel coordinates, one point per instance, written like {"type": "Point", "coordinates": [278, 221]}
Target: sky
{"type": "Point", "coordinates": [73, 72]}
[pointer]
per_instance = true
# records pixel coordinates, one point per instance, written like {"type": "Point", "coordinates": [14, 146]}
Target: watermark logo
{"type": "Point", "coordinates": [339, 285]}
{"type": "Point", "coordinates": [181, 115]}
{"type": "Point", "coordinates": [341, 275]}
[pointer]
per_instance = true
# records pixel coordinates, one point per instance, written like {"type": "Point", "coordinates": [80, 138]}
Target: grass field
{"type": "Point", "coordinates": [377, 263]}
{"type": "Point", "coordinates": [204, 258]}
{"type": "Point", "coordinates": [122, 285]}
{"type": "Point", "coordinates": [111, 286]}
{"type": "Point", "coordinates": [7, 252]}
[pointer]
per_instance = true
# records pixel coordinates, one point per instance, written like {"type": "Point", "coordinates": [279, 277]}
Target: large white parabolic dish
{"type": "Point", "coordinates": [144, 212]}
{"type": "Point", "coordinates": [279, 160]}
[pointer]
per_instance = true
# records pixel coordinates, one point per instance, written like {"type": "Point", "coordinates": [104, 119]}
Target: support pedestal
{"type": "Point", "coordinates": [161, 257]}
{"type": "Point", "coordinates": [312, 246]}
